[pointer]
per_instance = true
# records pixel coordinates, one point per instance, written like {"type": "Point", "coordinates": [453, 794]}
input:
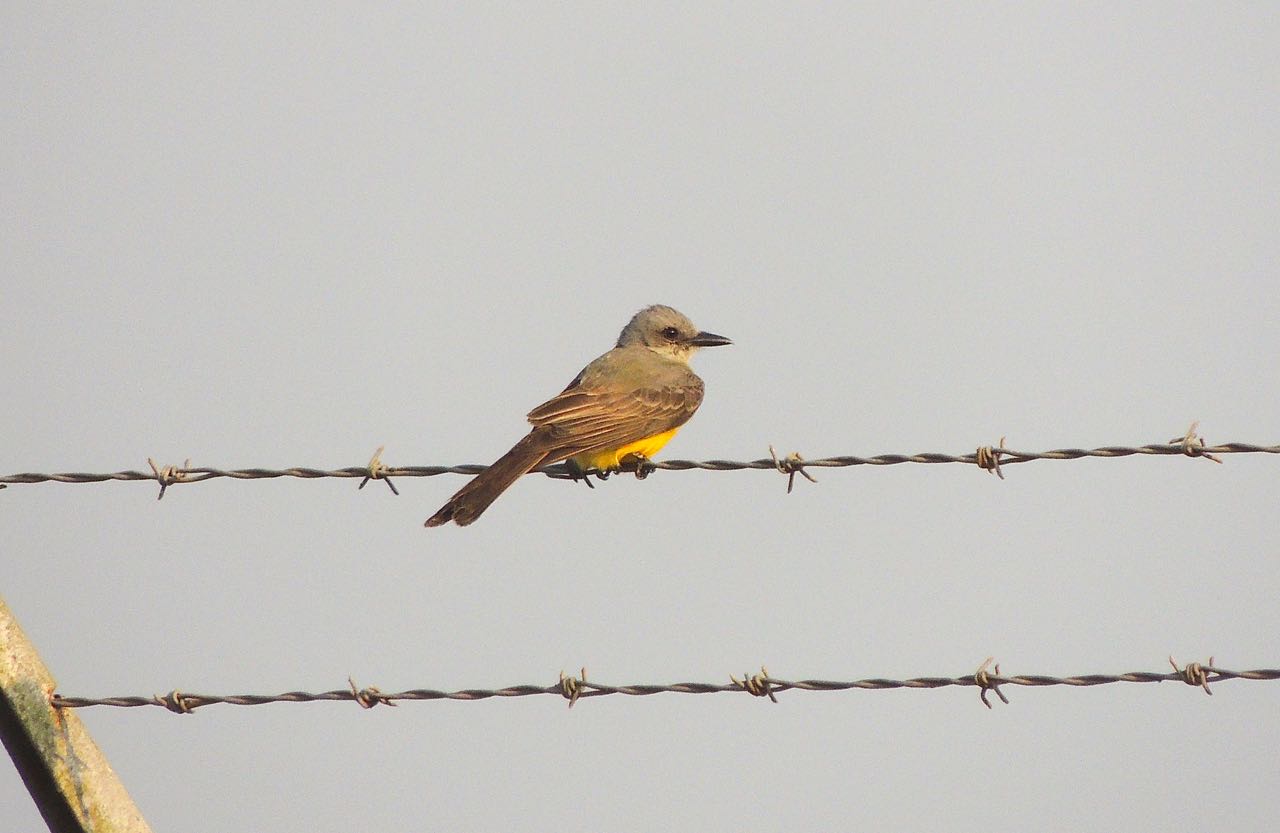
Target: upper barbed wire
{"type": "Point", "coordinates": [987, 457]}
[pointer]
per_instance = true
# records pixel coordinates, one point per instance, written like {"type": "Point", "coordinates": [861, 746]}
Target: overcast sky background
{"type": "Point", "coordinates": [289, 236]}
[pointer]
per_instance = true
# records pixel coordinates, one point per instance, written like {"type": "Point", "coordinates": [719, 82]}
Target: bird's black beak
{"type": "Point", "coordinates": [708, 340]}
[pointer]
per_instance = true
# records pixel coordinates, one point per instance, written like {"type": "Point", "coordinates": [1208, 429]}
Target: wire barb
{"type": "Point", "coordinates": [791, 465]}
{"type": "Point", "coordinates": [369, 696]}
{"type": "Point", "coordinates": [757, 685]}
{"type": "Point", "coordinates": [1193, 444]}
{"type": "Point", "coordinates": [572, 687]}
{"type": "Point", "coordinates": [988, 458]}
{"type": "Point", "coordinates": [176, 702]}
{"type": "Point", "coordinates": [985, 682]}
{"type": "Point", "coordinates": [1194, 674]}
{"type": "Point", "coordinates": [168, 475]}
{"type": "Point", "coordinates": [378, 471]}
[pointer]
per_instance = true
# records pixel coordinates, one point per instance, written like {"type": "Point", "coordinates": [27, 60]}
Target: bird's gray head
{"type": "Point", "coordinates": [666, 331]}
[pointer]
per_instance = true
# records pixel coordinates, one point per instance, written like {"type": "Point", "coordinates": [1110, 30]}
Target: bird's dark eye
{"type": "Point", "coordinates": [670, 333]}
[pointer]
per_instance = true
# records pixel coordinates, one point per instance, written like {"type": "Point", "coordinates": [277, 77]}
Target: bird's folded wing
{"type": "Point", "coordinates": [581, 419]}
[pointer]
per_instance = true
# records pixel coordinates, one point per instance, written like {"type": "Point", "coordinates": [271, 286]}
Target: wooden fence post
{"type": "Point", "coordinates": [72, 784]}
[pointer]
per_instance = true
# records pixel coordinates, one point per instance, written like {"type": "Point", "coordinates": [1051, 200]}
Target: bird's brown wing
{"type": "Point", "coordinates": [584, 419]}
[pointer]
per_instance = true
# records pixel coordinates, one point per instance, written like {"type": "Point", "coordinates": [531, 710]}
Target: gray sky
{"type": "Point", "coordinates": [286, 237]}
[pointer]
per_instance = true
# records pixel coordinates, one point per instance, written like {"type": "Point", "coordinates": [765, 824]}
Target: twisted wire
{"type": "Point", "coordinates": [758, 685]}
{"type": "Point", "coordinates": [171, 475]}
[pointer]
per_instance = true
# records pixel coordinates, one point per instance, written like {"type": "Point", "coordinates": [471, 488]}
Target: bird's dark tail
{"type": "Point", "coordinates": [472, 499]}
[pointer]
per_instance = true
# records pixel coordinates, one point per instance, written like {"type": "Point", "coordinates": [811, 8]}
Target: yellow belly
{"type": "Point", "coordinates": [611, 458]}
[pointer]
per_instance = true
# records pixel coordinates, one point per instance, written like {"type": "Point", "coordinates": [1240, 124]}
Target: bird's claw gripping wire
{"type": "Point", "coordinates": [578, 473]}
{"type": "Point", "coordinates": [644, 466]}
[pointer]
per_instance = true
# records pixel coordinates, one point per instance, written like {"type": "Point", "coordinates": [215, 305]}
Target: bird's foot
{"type": "Point", "coordinates": [644, 467]}
{"type": "Point", "coordinates": [577, 472]}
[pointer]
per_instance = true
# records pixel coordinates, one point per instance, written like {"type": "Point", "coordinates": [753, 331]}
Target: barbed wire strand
{"type": "Point", "coordinates": [989, 458]}
{"type": "Point", "coordinates": [578, 688]}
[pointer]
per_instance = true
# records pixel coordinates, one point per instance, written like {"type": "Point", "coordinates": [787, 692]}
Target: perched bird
{"type": "Point", "coordinates": [622, 408]}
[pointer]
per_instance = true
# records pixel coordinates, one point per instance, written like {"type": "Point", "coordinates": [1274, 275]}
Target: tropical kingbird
{"type": "Point", "coordinates": [622, 408]}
